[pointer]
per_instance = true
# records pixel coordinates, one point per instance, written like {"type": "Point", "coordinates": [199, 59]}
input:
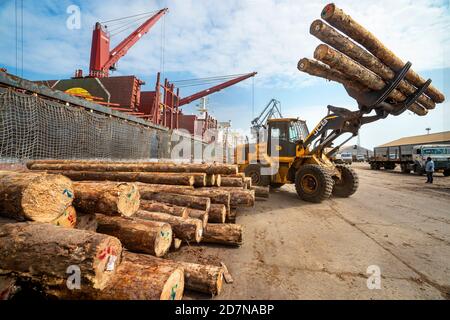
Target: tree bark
{"type": "Point", "coordinates": [343, 22]}
{"type": "Point", "coordinates": [217, 213]}
{"type": "Point", "coordinates": [110, 198]}
{"type": "Point", "coordinates": [202, 215]}
{"type": "Point", "coordinates": [216, 195]}
{"type": "Point", "coordinates": [355, 71]}
{"type": "Point", "coordinates": [145, 177]}
{"type": "Point", "coordinates": [135, 167]}
{"type": "Point", "coordinates": [198, 277]}
{"type": "Point", "coordinates": [189, 230]}
{"type": "Point", "coordinates": [210, 180]}
{"type": "Point", "coordinates": [223, 233]}
{"type": "Point", "coordinates": [134, 281]}
{"type": "Point", "coordinates": [321, 70]}
{"type": "Point", "coordinates": [68, 219]}
{"type": "Point", "coordinates": [8, 287]}
{"type": "Point", "coordinates": [238, 197]}
{"type": "Point", "coordinates": [34, 196]}
{"type": "Point", "coordinates": [261, 192]}
{"type": "Point", "coordinates": [137, 235]}
{"type": "Point", "coordinates": [183, 200]}
{"type": "Point", "coordinates": [155, 206]}
{"type": "Point", "coordinates": [86, 221]}
{"type": "Point", "coordinates": [199, 179]}
{"type": "Point", "coordinates": [44, 252]}
{"type": "Point", "coordinates": [343, 44]}
{"type": "Point", "coordinates": [232, 182]}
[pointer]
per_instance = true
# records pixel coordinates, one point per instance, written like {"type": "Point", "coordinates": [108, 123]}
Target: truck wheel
{"type": "Point", "coordinates": [348, 185]}
{"type": "Point", "coordinates": [446, 172]}
{"type": "Point", "coordinates": [313, 183]}
{"type": "Point", "coordinates": [374, 166]}
{"type": "Point", "coordinates": [254, 171]}
{"type": "Point", "coordinates": [405, 168]}
{"type": "Point", "coordinates": [276, 185]}
{"type": "Point", "coordinates": [389, 166]}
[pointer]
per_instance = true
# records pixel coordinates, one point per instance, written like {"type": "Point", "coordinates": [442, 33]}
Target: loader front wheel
{"type": "Point", "coordinates": [348, 184]}
{"type": "Point", "coordinates": [313, 183]}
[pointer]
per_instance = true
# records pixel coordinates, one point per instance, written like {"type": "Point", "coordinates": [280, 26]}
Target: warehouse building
{"type": "Point", "coordinates": [433, 138]}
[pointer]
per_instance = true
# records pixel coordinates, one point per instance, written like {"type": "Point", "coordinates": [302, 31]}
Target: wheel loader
{"type": "Point", "coordinates": [289, 153]}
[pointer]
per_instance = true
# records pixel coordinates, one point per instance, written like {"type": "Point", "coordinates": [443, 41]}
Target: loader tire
{"type": "Point", "coordinates": [446, 172]}
{"type": "Point", "coordinates": [254, 171]}
{"type": "Point", "coordinates": [313, 183]}
{"type": "Point", "coordinates": [349, 183]}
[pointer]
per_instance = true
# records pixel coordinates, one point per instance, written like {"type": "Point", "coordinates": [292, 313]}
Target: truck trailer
{"type": "Point", "coordinates": [412, 158]}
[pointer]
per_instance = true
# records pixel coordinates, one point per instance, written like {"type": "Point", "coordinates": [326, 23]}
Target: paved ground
{"type": "Point", "coordinates": [298, 250]}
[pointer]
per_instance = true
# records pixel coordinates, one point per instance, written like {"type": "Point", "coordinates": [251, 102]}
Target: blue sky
{"type": "Point", "coordinates": [205, 38]}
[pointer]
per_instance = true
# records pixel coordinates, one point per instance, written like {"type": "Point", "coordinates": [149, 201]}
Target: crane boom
{"type": "Point", "coordinates": [216, 88]}
{"type": "Point", "coordinates": [102, 60]}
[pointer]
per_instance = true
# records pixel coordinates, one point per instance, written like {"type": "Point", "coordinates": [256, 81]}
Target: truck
{"type": "Point", "coordinates": [412, 158]}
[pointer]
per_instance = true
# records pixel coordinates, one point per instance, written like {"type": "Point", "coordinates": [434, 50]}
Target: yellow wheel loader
{"type": "Point", "coordinates": [289, 153]}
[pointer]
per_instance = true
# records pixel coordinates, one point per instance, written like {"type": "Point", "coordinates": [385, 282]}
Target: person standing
{"type": "Point", "coordinates": [429, 168]}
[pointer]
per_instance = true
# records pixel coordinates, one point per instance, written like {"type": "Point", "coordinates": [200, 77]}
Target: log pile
{"type": "Point", "coordinates": [357, 59]}
{"type": "Point", "coordinates": [117, 222]}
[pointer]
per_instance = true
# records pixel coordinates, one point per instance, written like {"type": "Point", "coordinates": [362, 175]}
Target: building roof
{"type": "Point", "coordinates": [439, 137]}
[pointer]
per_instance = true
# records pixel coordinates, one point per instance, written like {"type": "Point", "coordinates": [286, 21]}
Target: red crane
{"type": "Point", "coordinates": [216, 88]}
{"type": "Point", "coordinates": [103, 60]}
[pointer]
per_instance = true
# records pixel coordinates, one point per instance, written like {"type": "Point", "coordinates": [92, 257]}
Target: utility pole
{"type": "Point", "coordinates": [428, 130]}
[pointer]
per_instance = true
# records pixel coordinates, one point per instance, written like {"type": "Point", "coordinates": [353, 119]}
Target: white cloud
{"type": "Point", "coordinates": [226, 37]}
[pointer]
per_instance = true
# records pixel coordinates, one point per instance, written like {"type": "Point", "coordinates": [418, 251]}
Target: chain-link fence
{"type": "Point", "coordinates": [35, 128]}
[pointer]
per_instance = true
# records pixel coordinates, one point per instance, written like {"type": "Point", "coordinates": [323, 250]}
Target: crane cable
{"type": "Point", "coordinates": [128, 17]}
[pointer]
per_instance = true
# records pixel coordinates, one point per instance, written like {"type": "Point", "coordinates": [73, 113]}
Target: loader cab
{"type": "Point", "coordinates": [284, 135]}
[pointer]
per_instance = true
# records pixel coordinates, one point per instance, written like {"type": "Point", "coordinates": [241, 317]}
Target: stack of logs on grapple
{"type": "Point", "coordinates": [112, 223]}
{"type": "Point", "coordinates": [362, 63]}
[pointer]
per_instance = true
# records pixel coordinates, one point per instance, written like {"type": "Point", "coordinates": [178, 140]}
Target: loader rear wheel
{"type": "Point", "coordinates": [313, 183]}
{"type": "Point", "coordinates": [348, 184]}
{"type": "Point", "coordinates": [254, 171]}
{"type": "Point", "coordinates": [446, 172]}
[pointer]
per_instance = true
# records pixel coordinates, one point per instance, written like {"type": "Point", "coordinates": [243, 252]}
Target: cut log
{"type": "Point", "coordinates": [137, 235]}
{"type": "Point", "coordinates": [68, 219]}
{"type": "Point", "coordinates": [44, 252]}
{"type": "Point", "coordinates": [145, 177]}
{"type": "Point", "coordinates": [133, 281]}
{"type": "Point", "coordinates": [210, 180]}
{"type": "Point", "coordinates": [155, 206]}
{"type": "Point", "coordinates": [261, 192]}
{"type": "Point", "coordinates": [232, 182]}
{"type": "Point", "coordinates": [202, 215]}
{"type": "Point", "coordinates": [318, 69]}
{"type": "Point", "coordinates": [341, 43]}
{"type": "Point", "coordinates": [217, 213]}
{"type": "Point", "coordinates": [356, 72]}
{"type": "Point", "coordinates": [176, 243]}
{"type": "Point", "coordinates": [248, 183]}
{"type": "Point", "coordinates": [238, 197]}
{"type": "Point", "coordinates": [189, 230]}
{"type": "Point", "coordinates": [223, 233]}
{"type": "Point", "coordinates": [199, 179]}
{"type": "Point", "coordinates": [218, 182]}
{"type": "Point", "coordinates": [226, 274]}
{"type": "Point", "coordinates": [216, 195]}
{"type": "Point", "coordinates": [231, 216]}
{"type": "Point", "coordinates": [109, 198]}
{"type": "Point", "coordinates": [137, 167]}
{"type": "Point", "coordinates": [183, 200]}
{"type": "Point", "coordinates": [198, 277]}
{"type": "Point", "coordinates": [346, 24]}
{"type": "Point", "coordinates": [86, 221]}
{"type": "Point", "coordinates": [34, 196]}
